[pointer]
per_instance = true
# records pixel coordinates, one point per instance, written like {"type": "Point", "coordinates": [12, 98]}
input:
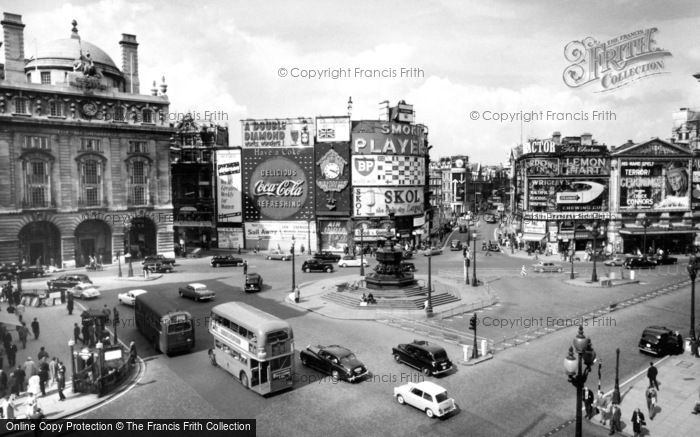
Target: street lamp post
{"type": "Point", "coordinates": [577, 373]}
{"type": "Point", "coordinates": [71, 345]}
{"type": "Point", "coordinates": [692, 272]}
{"type": "Point", "coordinates": [594, 234]}
{"type": "Point", "coordinates": [294, 283]}
{"type": "Point", "coordinates": [429, 307]}
{"type": "Point", "coordinates": [474, 281]}
{"type": "Point", "coordinates": [645, 223]}
{"type": "Point", "coordinates": [572, 252]}
{"type": "Point", "coordinates": [362, 251]}
{"type": "Point", "coordinates": [119, 264]}
{"type": "Point", "coordinates": [616, 391]}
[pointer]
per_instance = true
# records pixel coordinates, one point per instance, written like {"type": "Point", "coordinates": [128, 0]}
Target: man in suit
{"type": "Point", "coordinates": [588, 402]}
{"type": "Point", "coordinates": [637, 422]}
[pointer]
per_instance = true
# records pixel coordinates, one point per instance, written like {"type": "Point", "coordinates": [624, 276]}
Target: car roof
{"type": "Point", "coordinates": [429, 387]}
{"type": "Point", "coordinates": [657, 329]}
{"type": "Point", "coordinates": [253, 275]}
{"type": "Point", "coordinates": [137, 291]}
{"type": "Point", "coordinates": [337, 350]}
{"type": "Point", "coordinates": [422, 344]}
{"type": "Point", "coordinates": [197, 285]}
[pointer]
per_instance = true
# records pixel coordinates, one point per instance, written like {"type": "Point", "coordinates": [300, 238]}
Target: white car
{"type": "Point", "coordinates": [426, 396]}
{"type": "Point", "coordinates": [129, 297]}
{"type": "Point", "coordinates": [85, 291]}
{"type": "Point", "coordinates": [352, 261]}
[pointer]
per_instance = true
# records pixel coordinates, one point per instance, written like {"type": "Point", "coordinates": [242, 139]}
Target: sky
{"type": "Point", "coordinates": [460, 63]}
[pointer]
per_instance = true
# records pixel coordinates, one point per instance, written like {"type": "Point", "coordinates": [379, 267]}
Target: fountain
{"type": "Point", "coordinates": [388, 273]}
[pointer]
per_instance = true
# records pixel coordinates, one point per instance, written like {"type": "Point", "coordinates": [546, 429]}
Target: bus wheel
{"type": "Point", "coordinates": [244, 380]}
{"type": "Point", "coordinates": [212, 358]}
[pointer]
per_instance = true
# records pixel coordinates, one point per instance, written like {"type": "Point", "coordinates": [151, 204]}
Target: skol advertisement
{"type": "Point", "coordinates": [542, 167]}
{"type": "Point", "coordinates": [372, 137]}
{"type": "Point", "coordinates": [334, 235]}
{"type": "Point", "coordinates": [332, 178]}
{"type": "Point", "coordinates": [554, 195]}
{"type": "Point", "coordinates": [332, 129]}
{"type": "Point", "coordinates": [292, 132]}
{"type": "Point", "coordinates": [654, 185]}
{"type": "Point", "coordinates": [373, 170]}
{"type": "Point", "coordinates": [278, 187]}
{"type": "Point", "coordinates": [228, 188]}
{"type": "Point", "coordinates": [375, 201]}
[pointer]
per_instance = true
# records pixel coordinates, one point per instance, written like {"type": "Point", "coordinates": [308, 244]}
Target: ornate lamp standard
{"type": "Point", "coordinates": [429, 307]}
{"type": "Point", "coordinates": [692, 272]}
{"type": "Point", "coordinates": [572, 252]}
{"type": "Point", "coordinates": [595, 233]}
{"type": "Point", "coordinates": [474, 281]}
{"type": "Point", "coordinates": [71, 345]}
{"type": "Point", "coordinates": [616, 391]}
{"type": "Point", "coordinates": [294, 283]}
{"type": "Point", "coordinates": [577, 373]}
{"type": "Point", "coordinates": [119, 264]}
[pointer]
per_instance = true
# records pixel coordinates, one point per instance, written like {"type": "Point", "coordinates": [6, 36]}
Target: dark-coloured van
{"type": "Point", "coordinates": [253, 282]}
{"type": "Point", "coordinates": [658, 340]}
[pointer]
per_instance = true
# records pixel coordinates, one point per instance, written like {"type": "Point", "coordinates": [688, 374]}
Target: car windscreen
{"type": "Point", "coordinates": [441, 397]}
{"type": "Point", "coordinates": [347, 358]}
{"type": "Point", "coordinates": [651, 338]}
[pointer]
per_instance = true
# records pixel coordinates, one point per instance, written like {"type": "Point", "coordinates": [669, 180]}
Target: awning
{"type": "Point", "coordinates": [652, 231]}
{"type": "Point", "coordinates": [532, 237]}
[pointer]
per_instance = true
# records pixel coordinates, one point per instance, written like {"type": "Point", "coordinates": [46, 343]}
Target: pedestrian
{"type": "Point", "coordinates": [3, 382]}
{"type": "Point", "coordinates": [35, 328]}
{"type": "Point", "coordinates": [30, 368]}
{"type": "Point", "coordinates": [107, 313]}
{"type": "Point", "coordinates": [651, 396]}
{"type": "Point", "coordinates": [297, 295]}
{"type": "Point", "coordinates": [132, 353]}
{"type": "Point", "coordinates": [76, 332]}
{"type": "Point", "coordinates": [20, 375]}
{"type": "Point", "coordinates": [43, 354]}
{"type": "Point", "coordinates": [615, 416]}
{"type": "Point", "coordinates": [679, 343]}
{"type": "Point", "coordinates": [588, 402]}
{"type": "Point", "coordinates": [43, 375]}
{"type": "Point", "coordinates": [603, 407]}
{"type": "Point", "coordinates": [652, 373]}
{"type": "Point", "coordinates": [69, 304]}
{"type": "Point", "coordinates": [637, 422]}
{"type": "Point", "coordinates": [13, 383]}
{"type": "Point", "coordinates": [245, 267]}
{"type": "Point", "coordinates": [61, 380]}
{"type": "Point", "coordinates": [2, 358]}
{"type": "Point", "coordinates": [523, 271]}
{"type": "Point", "coordinates": [23, 333]}
{"type": "Point", "coordinates": [11, 355]}
{"type": "Point", "coordinates": [52, 369]}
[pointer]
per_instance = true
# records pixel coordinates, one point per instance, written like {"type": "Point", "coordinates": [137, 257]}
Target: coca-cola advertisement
{"type": "Point", "coordinates": [278, 187]}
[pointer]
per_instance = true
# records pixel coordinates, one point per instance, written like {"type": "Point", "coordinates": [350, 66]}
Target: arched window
{"type": "Point", "coordinates": [90, 182]}
{"type": "Point", "coordinates": [37, 182]}
{"type": "Point", "coordinates": [138, 170]}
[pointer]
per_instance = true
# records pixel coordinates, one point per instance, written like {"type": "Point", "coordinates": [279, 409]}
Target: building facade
{"type": "Point", "coordinates": [84, 156]}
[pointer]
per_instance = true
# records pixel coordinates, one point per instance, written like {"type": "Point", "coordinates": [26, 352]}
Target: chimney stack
{"type": "Point", "coordinates": [556, 137]}
{"type": "Point", "coordinates": [13, 34]}
{"type": "Point", "coordinates": [586, 139]}
{"type": "Point", "coordinates": [130, 63]}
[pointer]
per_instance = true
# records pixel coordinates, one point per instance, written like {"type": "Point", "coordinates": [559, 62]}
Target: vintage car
{"type": "Point", "coordinates": [664, 260]}
{"type": "Point", "coordinates": [659, 340]}
{"type": "Point", "coordinates": [64, 282]}
{"type": "Point", "coordinates": [225, 260]}
{"type": "Point", "coordinates": [196, 291]}
{"type": "Point", "coordinates": [455, 245]}
{"type": "Point", "coordinates": [547, 267]}
{"type": "Point", "coordinates": [279, 255]}
{"type": "Point", "coordinates": [490, 218]}
{"type": "Point", "coordinates": [432, 251]}
{"type": "Point", "coordinates": [253, 282]}
{"type": "Point", "coordinates": [407, 254]}
{"type": "Point", "coordinates": [129, 297]}
{"type": "Point", "coordinates": [428, 358]}
{"type": "Point", "coordinates": [426, 396]}
{"type": "Point", "coordinates": [327, 256]}
{"type": "Point", "coordinates": [32, 272]}
{"type": "Point", "coordinates": [334, 360]}
{"type": "Point", "coordinates": [616, 261]}
{"type": "Point", "coordinates": [158, 258]}
{"type": "Point", "coordinates": [84, 291]}
{"type": "Point", "coordinates": [316, 265]}
{"type": "Point", "coordinates": [640, 263]}
{"type": "Point", "coordinates": [157, 266]}
{"type": "Point", "coordinates": [352, 261]}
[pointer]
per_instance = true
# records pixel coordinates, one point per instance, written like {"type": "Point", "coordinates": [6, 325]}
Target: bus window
{"type": "Point", "coordinates": [281, 362]}
{"type": "Point", "coordinates": [179, 327]}
{"type": "Point", "coordinates": [276, 336]}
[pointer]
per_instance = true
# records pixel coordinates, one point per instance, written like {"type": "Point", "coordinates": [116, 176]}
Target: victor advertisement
{"type": "Point", "coordinates": [228, 188]}
{"type": "Point", "coordinates": [646, 185]}
{"type": "Point", "coordinates": [553, 195]}
{"type": "Point", "coordinates": [278, 187]}
{"type": "Point", "coordinates": [373, 170]}
{"type": "Point", "coordinates": [291, 132]}
{"type": "Point", "coordinates": [377, 202]}
{"type": "Point", "coordinates": [332, 179]}
{"type": "Point", "coordinates": [388, 138]}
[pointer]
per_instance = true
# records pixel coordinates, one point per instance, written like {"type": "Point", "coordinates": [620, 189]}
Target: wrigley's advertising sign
{"type": "Point", "coordinates": [616, 62]}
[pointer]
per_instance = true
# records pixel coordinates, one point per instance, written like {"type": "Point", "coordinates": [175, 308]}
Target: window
{"type": "Point", "coordinates": [90, 145]}
{"type": "Point", "coordinates": [56, 108]}
{"type": "Point", "coordinates": [137, 147]}
{"type": "Point", "coordinates": [37, 186]}
{"type": "Point", "coordinates": [147, 116]}
{"type": "Point", "coordinates": [46, 78]}
{"type": "Point", "coordinates": [138, 182]}
{"type": "Point", "coordinates": [21, 105]}
{"type": "Point", "coordinates": [90, 182]}
{"type": "Point", "coordinates": [119, 113]}
{"type": "Point", "coordinates": [35, 142]}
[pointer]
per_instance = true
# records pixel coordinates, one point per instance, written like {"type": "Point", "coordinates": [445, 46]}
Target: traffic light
{"type": "Point", "coordinates": [472, 323]}
{"type": "Point", "coordinates": [116, 316]}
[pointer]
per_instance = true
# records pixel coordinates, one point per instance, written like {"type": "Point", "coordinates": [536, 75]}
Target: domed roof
{"type": "Point", "coordinates": [69, 49]}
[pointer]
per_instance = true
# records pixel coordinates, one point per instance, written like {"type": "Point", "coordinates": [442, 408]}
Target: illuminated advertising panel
{"type": "Point", "coordinates": [567, 194]}
{"type": "Point", "coordinates": [373, 137]}
{"type": "Point", "coordinates": [277, 235]}
{"type": "Point", "coordinates": [334, 235]}
{"type": "Point", "coordinates": [542, 167]}
{"type": "Point", "coordinates": [378, 202]}
{"type": "Point", "coordinates": [278, 184]}
{"type": "Point", "coordinates": [285, 132]}
{"type": "Point", "coordinates": [332, 186]}
{"type": "Point", "coordinates": [373, 170]}
{"type": "Point", "coordinates": [647, 185]}
{"type": "Point", "coordinates": [228, 187]}
{"type": "Point", "coordinates": [584, 166]}
{"type": "Point", "coordinates": [458, 182]}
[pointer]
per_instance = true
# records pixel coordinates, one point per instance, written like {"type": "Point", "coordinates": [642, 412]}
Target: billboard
{"type": "Point", "coordinates": [646, 185]}
{"type": "Point", "coordinates": [334, 234]}
{"type": "Point", "coordinates": [332, 162]}
{"type": "Point", "coordinates": [542, 167]}
{"type": "Point", "coordinates": [278, 186]}
{"type": "Point", "coordinates": [458, 182]}
{"type": "Point", "coordinates": [378, 202]}
{"type": "Point", "coordinates": [230, 238]}
{"type": "Point", "coordinates": [284, 132]}
{"type": "Point", "coordinates": [228, 187]}
{"type": "Point", "coordinates": [369, 170]}
{"type": "Point", "coordinates": [275, 235]}
{"type": "Point", "coordinates": [567, 194]}
{"type": "Point", "coordinates": [584, 166]}
{"type": "Point", "coordinates": [332, 129]}
{"type": "Point", "coordinates": [373, 137]}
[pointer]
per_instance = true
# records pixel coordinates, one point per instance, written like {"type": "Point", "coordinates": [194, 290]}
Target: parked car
{"type": "Point", "coordinates": [664, 260]}
{"type": "Point", "coordinates": [407, 267]}
{"type": "Point", "coordinates": [225, 260]}
{"type": "Point", "coordinates": [279, 255]}
{"type": "Point", "coordinates": [455, 245]}
{"type": "Point", "coordinates": [253, 282]}
{"type": "Point", "coordinates": [334, 360]}
{"type": "Point", "coordinates": [616, 261]}
{"type": "Point", "coordinates": [316, 265]}
{"type": "Point", "coordinates": [542, 267]}
{"type": "Point", "coordinates": [196, 291]}
{"type": "Point", "coordinates": [129, 297]}
{"type": "Point", "coordinates": [640, 263]}
{"type": "Point", "coordinates": [31, 272]}
{"type": "Point", "coordinates": [659, 340]}
{"type": "Point", "coordinates": [158, 258]}
{"type": "Point", "coordinates": [426, 396]}
{"type": "Point", "coordinates": [84, 291]}
{"type": "Point", "coordinates": [352, 261]}
{"type": "Point", "coordinates": [157, 266]}
{"type": "Point", "coordinates": [327, 256]}
{"type": "Point", "coordinates": [428, 358]}
{"type": "Point", "coordinates": [432, 251]}
{"type": "Point", "coordinates": [64, 282]}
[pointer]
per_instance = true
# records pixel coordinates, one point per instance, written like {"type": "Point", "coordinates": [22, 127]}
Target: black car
{"type": "Point", "coordinates": [327, 256]}
{"type": "Point", "coordinates": [639, 263]}
{"type": "Point", "coordinates": [158, 258]}
{"type": "Point", "coordinates": [334, 360]}
{"type": "Point", "coordinates": [253, 282]}
{"type": "Point", "coordinates": [428, 358]}
{"type": "Point", "coordinates": [226, 260]}
{"type": "Point", "coordinates": [659, 340]}
{"type": "Point", "coordinates": [407, 267]}
{"type": "Point", "coordinates": [157, 266]}
{"type": "Point", "coordinates": [664, 260]}
{"type": "Point", "coordinates": [316, 265]}
{"type": "Point", "coordinates": [68, 281]}
{"type": "Point", "coordinates": [24, 273]}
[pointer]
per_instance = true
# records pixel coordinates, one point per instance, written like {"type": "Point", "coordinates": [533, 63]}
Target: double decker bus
{"type": "Point", "coordinates": [252, 345]}
{"type": "Point", "coordinates": [166, 327]}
